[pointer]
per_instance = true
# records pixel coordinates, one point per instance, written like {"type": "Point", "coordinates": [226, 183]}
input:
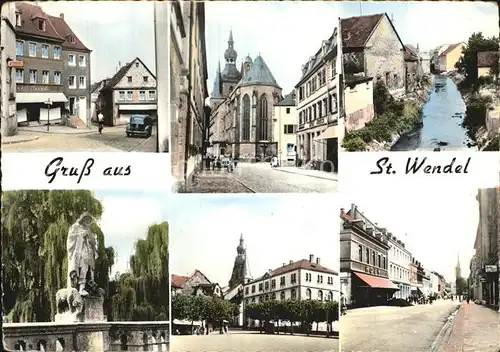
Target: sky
{"type": "Point", "coordinates": [126, 218]}
{"type": "Point", "coordinates": [431, 23]}
{"type": "Point", "coordinates": [206, 229]}
{"type": "Point", "coordinates": [436, 223]}
{"type": "Point", "coordinates": [114, 31]}
{"type": "Point", "coordinates": [286, 34]}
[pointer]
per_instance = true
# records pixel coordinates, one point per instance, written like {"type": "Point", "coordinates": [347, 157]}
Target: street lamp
{"type": "Point", "coordinates": [49, 104]}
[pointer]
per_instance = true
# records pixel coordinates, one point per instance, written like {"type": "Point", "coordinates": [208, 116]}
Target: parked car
{"type": "Point", "coordinates": [140, 125]}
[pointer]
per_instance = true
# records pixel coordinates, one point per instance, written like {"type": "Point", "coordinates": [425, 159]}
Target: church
{"type": "Point", "coordinates": [242, 104]}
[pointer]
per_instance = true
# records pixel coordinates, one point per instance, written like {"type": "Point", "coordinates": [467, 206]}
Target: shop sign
{"type": "Point", "coordinates": [490, 268]}
{"type": "Point", "coordinates": [15, 63]}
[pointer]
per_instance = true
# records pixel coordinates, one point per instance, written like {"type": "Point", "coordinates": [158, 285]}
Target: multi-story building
{"type": "Point", "coordinates": [449, 57]}
{"type": "Point", "coordinates": [364, 260]}
{"type": "Point", "coordinates": [76, 57]}
{"type": "Point", "coordinates": [285, 128]}
{"type": "Point", "coordinates": [8, 70]}
{"type": "Point", "coordinates": [413, 277]}
{"type": "Point", "coordinates": [132, 90]}
{"type": "Point", "coordinates": [426, 283]}
{"type": "Point", "coordinates": [399, 261]}
{"type": "Point", "coordinates": [417, 277]}
{"type": "Point", "coordinates": [40, 82]}
{"type": "Point", "coordinates": [196, 284]}
{"type": "Point", "coordinates": [319, 91]}
{"type": "Point", "coordinates": [437, 283]}
{"type": "Point", "coordinates": [242, 104]}
{"type": "Point", "coordinates": [188, 74]}
{"type": "Point", "coordinates": [300, 280]}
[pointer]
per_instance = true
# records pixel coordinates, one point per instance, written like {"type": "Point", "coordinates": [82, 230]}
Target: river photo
{"type": "Point", "coordinates": [443, 115]}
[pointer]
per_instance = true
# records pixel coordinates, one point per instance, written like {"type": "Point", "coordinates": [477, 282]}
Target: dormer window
{"type": "Point", "coordinates": [41, 25]}
{"type": "Point", "coordinates": [18, 19]}
{"type": "Point", "coordinates": [71, 39]}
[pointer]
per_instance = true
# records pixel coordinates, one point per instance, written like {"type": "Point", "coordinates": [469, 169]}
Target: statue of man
{"type": "Point", "coordinates": [82, 253]}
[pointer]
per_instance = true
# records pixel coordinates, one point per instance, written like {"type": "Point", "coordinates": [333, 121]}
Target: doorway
{"type": "Point", "coordinates": [72, 101]}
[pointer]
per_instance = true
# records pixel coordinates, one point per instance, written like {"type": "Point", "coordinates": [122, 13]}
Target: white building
{"type": "Point", "coordinates": [434, 283]}
{"type": "Point", "coordinates": [399, 267]}
{"type": "Point", "coordinates": [426, 283]}
{"type": "Point", "coordinates": [300, 280]}
{"type": "Point", "coordinates": [7, 72]}
{"type": "Point", "coordinates": [285, 128]}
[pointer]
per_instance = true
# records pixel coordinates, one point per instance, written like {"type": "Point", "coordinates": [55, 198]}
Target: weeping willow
{"type": "Point", "coordinates": [143, 294]}
{"type": "Point", "coordinates": [34, 230]}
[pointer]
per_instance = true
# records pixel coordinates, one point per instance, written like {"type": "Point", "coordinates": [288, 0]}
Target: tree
{"type": "Point", "coordinates": [461, 285]}
{"type": "Point", "coordinates": [467, 65]}
{"type": "Point", "coordinates": [35, 226]}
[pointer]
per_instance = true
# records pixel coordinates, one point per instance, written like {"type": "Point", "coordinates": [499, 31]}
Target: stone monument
{"type": "Point", "coordinates": [82, 300]}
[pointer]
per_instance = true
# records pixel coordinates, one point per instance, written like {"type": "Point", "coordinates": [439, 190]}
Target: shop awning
{"type": "Point", "coordinates": [186, 322]}
{"type": "Point", "coordinates": [40, 98]}
{"type": "Point", "coordinates": [376, 282]}
{"type": "Point", "coordinates": [330, 132]}
{"type": "Point", "coordinates": [137, 107]}
{"type": "Point", "coordinates": [417, 289]}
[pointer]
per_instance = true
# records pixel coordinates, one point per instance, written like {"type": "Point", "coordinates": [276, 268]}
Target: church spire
{"type": "Point", "coordinates": [230, 41]}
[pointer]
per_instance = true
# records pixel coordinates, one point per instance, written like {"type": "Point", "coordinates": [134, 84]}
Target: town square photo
{"type": "Point", "coordinates": [85, 271]}
{"type": "Point", "coordinates": [253, 273]}
{"type": "Point", "coordinates": [77, 76]}
{"type": "Point", "coordinates": [424, 260]}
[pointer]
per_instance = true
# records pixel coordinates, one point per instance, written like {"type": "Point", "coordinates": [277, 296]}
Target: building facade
{"type": "Point", "coordinates": [285, 128]}
{"type": "Point", "coordinates": [318, 93]}
{"type": "Point", "coordinates": [364, 263]}
{"type": "Point", "coordinates": [132, 90]}
{"type": "Point", "coordinates": [487, 63]}
{"type": "Point", "coordinates": [449, 57]}
{"type": "Point", "coordinates": [358, 98]}
{"type": "Point", "coordinates": [8, 70]}
{"type": "Point", "coordinates": [300, 280]}
{"type": "Point", "coordinates": [40, 82]}
{"type": "Point", "coordinates": [399, 261]}
{"type": "Point", "coordinates": [242, 103]}
{"type": "Point", "coordinates": [76, 58]}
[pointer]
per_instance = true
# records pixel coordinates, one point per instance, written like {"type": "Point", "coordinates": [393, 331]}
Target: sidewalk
{"type": "Point", "coordinates": [57, 129]}
{"type": "Point", "coordinates": [332, 176]}
{"type": "Point", "coordinates": [475, 328]}
{"type": "Point", "coordinates": [19, 138]}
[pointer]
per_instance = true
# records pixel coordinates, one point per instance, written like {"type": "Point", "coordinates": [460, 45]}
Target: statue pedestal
{"type": "Point", "coordinates": [93, 309]}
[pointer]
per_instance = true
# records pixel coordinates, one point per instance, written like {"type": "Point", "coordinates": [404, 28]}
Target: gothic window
{"type": "Point", "coordinates": [246, 118]}
{"type": "Point", "coordinates": [282, 295]}
{"type": "Point", "coordinates": [263, 132]}
{"type": "Point", "coordinates": [308, 293]}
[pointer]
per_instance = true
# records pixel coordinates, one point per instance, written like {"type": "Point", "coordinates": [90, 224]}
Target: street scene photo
{"type": "Point", "coordinates": [77, 76]}
{"type": "Point", "coordinates": [271, 284]}
{"type": "Point", "coordinates": [424, 262]}
{"type": "Point", "coordinates": [85, 271]}
{"type": "Point", "coordinates": [241, 119]}
{"type": "Point", "coordinates": [420, 75]}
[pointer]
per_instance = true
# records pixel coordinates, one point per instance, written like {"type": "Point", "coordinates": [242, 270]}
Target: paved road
{"type": "Point", "coordinates": [113, 139]}
{"type": "Point", "coordinates": [394, 329]}
{"type": "Point", "coordinates": [260, 178]}
{"type": "Point", "coordinates": [252, 342]}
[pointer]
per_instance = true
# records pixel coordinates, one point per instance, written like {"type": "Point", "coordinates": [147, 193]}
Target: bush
{"type": "Point", "coordinates": [354, 144]}
{"type": "Point", "coordinates": [475, 113]}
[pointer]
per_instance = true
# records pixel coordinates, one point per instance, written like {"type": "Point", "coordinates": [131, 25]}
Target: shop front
{"type": "Point", "coordinates": [40, 107]}
{"type": "Point", "coordinates": [490, 286]}
{"type": "Point", "coordinates": [371, 290]}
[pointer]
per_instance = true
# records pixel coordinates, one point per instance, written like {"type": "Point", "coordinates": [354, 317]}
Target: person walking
{"type": "Point", "coordinates": [100, 121]}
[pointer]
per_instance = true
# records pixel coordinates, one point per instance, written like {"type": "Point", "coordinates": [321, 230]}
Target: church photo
{"type": "Point", "coordinates": [226, 280]}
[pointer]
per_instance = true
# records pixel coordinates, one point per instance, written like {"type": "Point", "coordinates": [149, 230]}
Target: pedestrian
{"type": "Point", "coordinates": [100, 121]}
{"type": "Point", "coordinates": [468, 299]}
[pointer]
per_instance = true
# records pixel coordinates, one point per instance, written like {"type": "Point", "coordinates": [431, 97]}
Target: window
{"type": "Point", "coordinates": [82, 82]}
{"type": "Point", "coordinates": [287, 110]}
{"type": "Point", "coordinates": [253, 288]}
{"type": "Point", "coordinates": [289, 129]}
{"type": "Point", "coordinates": [396, 81]}
{"type": "Point", "coordinates": [294, 294]}
{"type": "Point", "coordinates": [266, 285]}
{"type": "Point", "coordinates": [282, 295]}
{"type": "Point", "coordinates": [151, 95]}
{"type": "Point", "coordinates": [320, 295]}
{"type": "Point", "coordinates": [367, 256]}
{"type": "Point", "coordinates": [301, 93]}
{"type": "Point", "coordinates": [246, 118]}
{"type": "Point", "coordinates": [129, 95]}
{"type": "Point", "coordinates": [282, 281]}
{"type": "Point", "coordinates": [45, 51]}
{"type": "Point", "coordinates": [263, 128]}
{"type": "Point", "coordinates": [373, 258]}
{"type": "Point", "coordinates": [330, 296]}
{"type": "Point", "coordinates": [71, 39]}
{"type": "Point", "coordinates": [145, 79]}
{"type": "Point", "coordinates": [57, 53]}
{"type": "Point", "coordinates": [41, 25]}
{"type": "Point", "coordinates": [57, 77]}
{"type": "Point", "coordinates": [379, 261]}
{"type": "Point", "coordinates": [71, 60]}
{"type": "Point", "coordinates": [308, 293]}
{"type": "Point", "coordinates": [383, 263]}
{"type": "Point", "coordinates": [129, 79]}
{"type": "Point", "coordinates": [32, 76]}
{"type": "Point", "coordinates": [82, 62]}
{"type": "Point", "coordinates": [136, 64]}
{"type": "Point", "coordinates": [121, 95]}
{"type": "Point", "coordinates": [72, 82]}
{"type": "Point", "coordinates": [142, 95]}
{"type": "Point", "coordinates": [260, 287]}
{"type": "Point", "coordinates": [273, 296]}
{"type": "Point", "coordinates": [18, 20]}
{"type": "Point", "coordinates": [19, 48]}
{"type": "Point", "coordinates": [45, 77]}
{"type": "Point", "coordinates": [308, 277]}
{"type": "Point", "coordinates": [293, 279]}
{"type": "Point", "coordinates": [32, 49]}
{"type": "Point", "coordinates": [246, 290]}
{"type": "Point", "coordinates": [273, 283]}
{"type": "Point", "coordinates": [360, 253]}
{"type": "Point", "coordinates": [19, 75]}
{"type": "Point", "coordinates": [387, 79]}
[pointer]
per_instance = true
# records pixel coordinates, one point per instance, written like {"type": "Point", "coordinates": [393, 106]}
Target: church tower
{"type": "Point", "coordinates": [240, 267]}
{"type": "Point", "coordinates": [216, 97]}
{"type": "Point", "coordinates": [458, 271]}
{"type": "Point", "coordinates": [230, 75]}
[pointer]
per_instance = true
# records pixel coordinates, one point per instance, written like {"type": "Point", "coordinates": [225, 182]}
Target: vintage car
{"type": "Point", "coordinates": [140, 125]}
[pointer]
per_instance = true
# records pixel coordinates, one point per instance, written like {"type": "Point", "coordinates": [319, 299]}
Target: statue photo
{"type": "Point", "coordinates": [82, 254]}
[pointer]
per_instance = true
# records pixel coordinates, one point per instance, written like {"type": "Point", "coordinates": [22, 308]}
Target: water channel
{"type": "Point", "coordinates": [443, 115]}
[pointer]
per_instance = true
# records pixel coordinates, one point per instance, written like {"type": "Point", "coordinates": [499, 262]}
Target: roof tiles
{"type": "Point", "coordinates": [357, 30]}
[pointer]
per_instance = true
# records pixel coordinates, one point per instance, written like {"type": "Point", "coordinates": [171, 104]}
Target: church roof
{"type": "Point", "coordinates": [259, 73]}
{"type": "Point", "coordinates": [216, 91]}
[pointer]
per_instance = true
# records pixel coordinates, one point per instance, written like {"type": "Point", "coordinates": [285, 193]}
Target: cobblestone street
{"type": "Point", "coordinates": [113, 139]}
{"type": "Point", "coordinates": [252, 342]}
{"type": "Point", "coordinates": [475, 328]}
{"type": "Point", "coordinates": [394, 329]}
{"type": "Point", "coordinates": [261, 178]}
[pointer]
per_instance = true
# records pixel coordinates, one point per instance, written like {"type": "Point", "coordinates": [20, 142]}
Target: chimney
{"type": "Point", "coordinates": [311, 258]}
{"type": "Point", "coordinates": [318, 261]}
{"type": "Point", "coordinates": [342, 212]}
{"type": "Point", "coordinates": [291, 262]}
{"type": "Point", "coordinates": [119, 64]}
{"type": "Point", "coordinates": [353, 210]}
{"type": "Point", "coordinates": [61, 15]}
{"type": "Point", "coordinates": [283, 264]}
